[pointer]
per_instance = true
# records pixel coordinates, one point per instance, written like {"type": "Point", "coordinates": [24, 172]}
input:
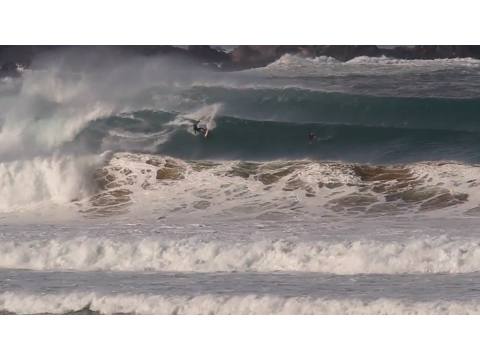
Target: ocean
{"type": "Point", "coordinates": [110, 203]}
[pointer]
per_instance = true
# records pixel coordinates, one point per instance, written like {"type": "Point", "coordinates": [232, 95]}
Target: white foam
{"type": "Point", "coordinates": [205, 115]}
{"type": "Point", "coordinates": [289, 60]}
{"type": "Point", "coordinates": [452, 176]}
{"type": "Point", "coordinates": [313, 188]}
{"type": "Point", "coordinates": [294, 65]}
{"type": "Point", "coordinates": [57, 179]}
{"type": "Point", "coordinates": [25, 303]}
{"type": "Point", "coordinates": [384, 60]}
{"type": "Point", "coordinates": [221, 192]}
{"type": "Point", "coordinates": [259, 251]}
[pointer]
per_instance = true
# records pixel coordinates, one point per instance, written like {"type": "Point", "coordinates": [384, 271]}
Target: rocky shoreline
{"type": "Point", "coordinates": [241, 57]}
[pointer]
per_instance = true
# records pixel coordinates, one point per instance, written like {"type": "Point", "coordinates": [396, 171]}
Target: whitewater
{"type": "Point", "coordinates": [111, 204]}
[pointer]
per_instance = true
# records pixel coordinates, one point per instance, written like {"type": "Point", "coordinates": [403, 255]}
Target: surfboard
{"type": "Point", "coordinates": [206, 133]}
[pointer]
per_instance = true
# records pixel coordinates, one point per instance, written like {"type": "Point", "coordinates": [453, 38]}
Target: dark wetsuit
{"type": "Point", "coordinates": [311, 137]}
{"type": "Point", "coordinates": [199, 129]}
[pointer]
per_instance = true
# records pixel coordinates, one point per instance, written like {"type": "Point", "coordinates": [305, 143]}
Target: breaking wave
{"type": "Point", "coordinates": [173, 189]}
{"type": "Point", "coordinates": [58, 179]}
{"type": "Point", "coordinates": [91, 303]}
{"type": "Point", "coordinates": [294, 65]}
{"type": "Point", "coordinates": [257, 252]}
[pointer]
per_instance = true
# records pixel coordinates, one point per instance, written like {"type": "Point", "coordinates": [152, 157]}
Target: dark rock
{"type": "Point", "coordinates": [433, 52]}
{"type": "Point", "coordinates": [347, 52]}
{"type": "Point", "coordinates": [257, 56]}
{"type": "Point", "coordinates": [23, 55]}
{"type": "Point", "coordinates": [208, 54]}
{"type": "Point", "coordinates": [242, 57]}
{"type": "Point", "coordinates": [249, 56]}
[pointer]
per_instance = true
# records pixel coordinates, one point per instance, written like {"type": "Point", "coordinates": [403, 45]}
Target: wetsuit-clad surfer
{"type": "Point", "coordinates": [311, 137]}
{"type": "Point", "coordinates": [199, 129]}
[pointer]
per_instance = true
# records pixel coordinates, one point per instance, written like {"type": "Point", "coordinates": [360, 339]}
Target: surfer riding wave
{"type": "Point", "coordinates": [199, 129]}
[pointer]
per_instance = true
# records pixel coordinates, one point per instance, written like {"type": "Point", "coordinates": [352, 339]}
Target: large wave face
{"type": "Point", "coordinates": [71, 111]}
{"type": "Point", "coordinates": [274, 124]}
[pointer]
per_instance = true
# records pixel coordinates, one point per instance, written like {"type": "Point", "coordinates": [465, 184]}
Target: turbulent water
{"type": "Point", "coordinates": [111, 203]}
